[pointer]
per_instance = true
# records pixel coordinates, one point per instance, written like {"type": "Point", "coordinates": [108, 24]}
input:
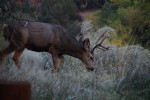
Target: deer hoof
{"type": "Point", "coordinates": [18, 66]}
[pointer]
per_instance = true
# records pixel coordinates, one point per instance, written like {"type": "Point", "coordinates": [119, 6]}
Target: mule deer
{"type": "Point", "coordinates": [38, 36]}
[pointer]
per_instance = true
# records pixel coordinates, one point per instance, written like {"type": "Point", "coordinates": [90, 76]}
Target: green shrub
{"type": "Point", "coordinates": [61, 12]}
{"type": "Point", "coordinates": [130, 17]}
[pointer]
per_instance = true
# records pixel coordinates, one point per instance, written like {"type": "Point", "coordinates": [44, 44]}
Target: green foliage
{"type": "Point", "coordinates": [61, 12]}
{"type": "Point", "coordinates": [26, 11]}
{"type": "Point", "coordinates": [57, 11]}
{"type": "Point", "coordinates": [129, 17]}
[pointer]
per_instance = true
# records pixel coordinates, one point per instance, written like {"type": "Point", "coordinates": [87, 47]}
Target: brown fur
{"type": "Point", "coordinates": [38, 36]}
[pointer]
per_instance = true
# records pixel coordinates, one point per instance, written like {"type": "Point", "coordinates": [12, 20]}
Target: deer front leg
{"type": "Point", "coordinates": [11, 48]}
{"type": "Point", "coordinates": [56, 60]}
{"type": "Point", "coordinates": [16, 57]}
{"type": "Point", "coordinates": [56, 63]}
{"type": "Point", "coordinates": [61, 57]}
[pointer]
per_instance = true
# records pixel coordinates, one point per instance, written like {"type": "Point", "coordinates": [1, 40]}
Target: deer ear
{"type": "Point", "coordinates": [86, 44]}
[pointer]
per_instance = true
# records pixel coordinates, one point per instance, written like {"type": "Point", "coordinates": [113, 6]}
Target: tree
{"type": "Point", "coordinates": [63, 12]}
{"type": "Point", "coordinates": [6, 7]}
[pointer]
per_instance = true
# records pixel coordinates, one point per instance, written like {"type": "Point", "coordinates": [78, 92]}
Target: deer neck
{"type": "Point", "coordinates": [75, 49]}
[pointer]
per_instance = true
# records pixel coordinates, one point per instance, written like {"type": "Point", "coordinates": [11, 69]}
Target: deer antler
{"type": "Point", "coordinates": [99, 45]}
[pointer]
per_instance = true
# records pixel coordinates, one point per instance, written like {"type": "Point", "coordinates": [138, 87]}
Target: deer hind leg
{"type": "Point", "coordinates": [11, 48]}
{"type": "Point", "coordinates": [16, 57]}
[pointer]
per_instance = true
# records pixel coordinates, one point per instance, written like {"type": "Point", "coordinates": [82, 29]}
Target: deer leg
{"type": "Point", "coordinates": [16, 57]}
{"type": "Point", "coordinates": [56, 63]}
{"type": "Point", "coordinates": [11, 48]}
{"type": "Point", "coordinates": [56, 60]}
{"type": "Point", "coordinates": [61, 57]}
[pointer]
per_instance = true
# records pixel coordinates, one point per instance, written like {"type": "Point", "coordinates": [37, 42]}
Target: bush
{"type": "Point", "coordinates": [61, 12]}
{"type": "Point", "coordinates": [127, 17]}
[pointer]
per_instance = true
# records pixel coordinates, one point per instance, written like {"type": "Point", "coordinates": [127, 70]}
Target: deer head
{"type": "Point", "coordinates": [88, 54]}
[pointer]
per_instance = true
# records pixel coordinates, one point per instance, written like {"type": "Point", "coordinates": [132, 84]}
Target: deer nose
{"type": "Point", "coordinates": [90, 69]}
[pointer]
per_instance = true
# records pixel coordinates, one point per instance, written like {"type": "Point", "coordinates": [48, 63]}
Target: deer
{"type": "Point", "coordinates": [45, 37]}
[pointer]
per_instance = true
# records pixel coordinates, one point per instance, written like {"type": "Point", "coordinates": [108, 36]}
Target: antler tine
{"type": "Point", "coordinates": [99, 45]}
{"type": "Point", "coordinates": [100, 37]}
{"type": "Point", "coordinates": [103, 48]}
